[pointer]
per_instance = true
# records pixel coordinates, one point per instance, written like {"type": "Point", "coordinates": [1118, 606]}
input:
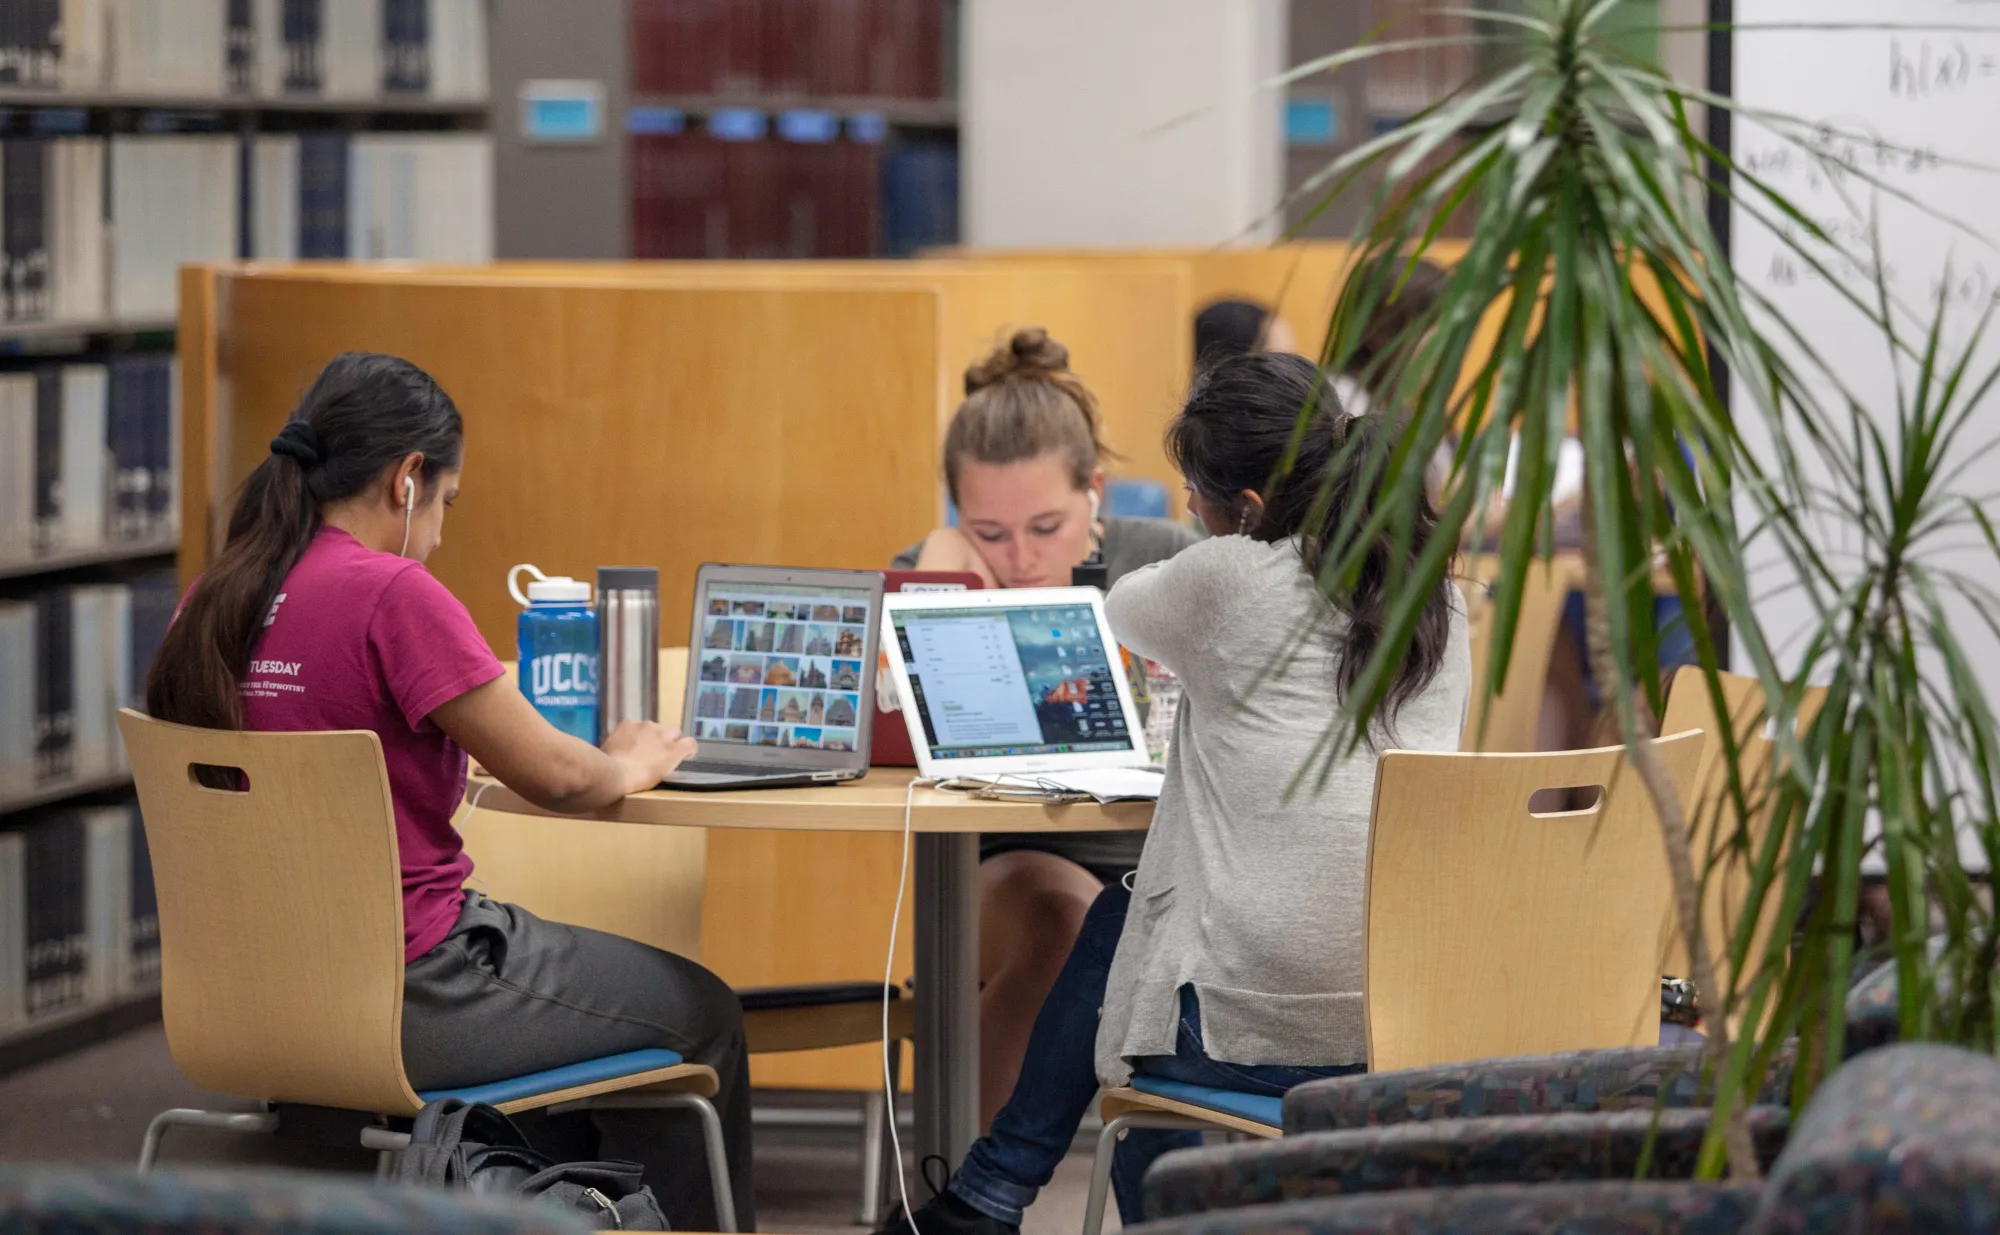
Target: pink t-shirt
{"type": "Point", "coordinates": [366, 640]}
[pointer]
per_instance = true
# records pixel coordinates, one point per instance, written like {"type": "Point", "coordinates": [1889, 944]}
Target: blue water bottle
{"type": "Point", "coordinates": [557, 634]}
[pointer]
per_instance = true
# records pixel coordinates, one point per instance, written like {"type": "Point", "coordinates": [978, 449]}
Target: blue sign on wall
{"type": "Point", "coordinates": [562, 112]}
{"type": "Point", "coordinates": [1311, 122]}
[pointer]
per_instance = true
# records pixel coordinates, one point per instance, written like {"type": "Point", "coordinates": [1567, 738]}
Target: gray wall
{"type": "Point", "coordinates": [560, 201]}
{"type": "Point", "coordinates": [1067, 111]}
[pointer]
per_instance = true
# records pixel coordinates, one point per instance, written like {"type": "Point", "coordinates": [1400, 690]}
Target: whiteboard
{"type": "Point", "coordinates": [1904, 104]}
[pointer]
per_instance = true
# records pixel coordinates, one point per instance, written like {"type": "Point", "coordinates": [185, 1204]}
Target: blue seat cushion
{"type": "Point", "coordinates": [553, 1080]}
{"type": "Point", "coordinates": [1250, 1106]}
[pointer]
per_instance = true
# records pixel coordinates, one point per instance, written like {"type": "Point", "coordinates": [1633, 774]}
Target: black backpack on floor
{"type": "Point", "coordinates": [458, 1144]}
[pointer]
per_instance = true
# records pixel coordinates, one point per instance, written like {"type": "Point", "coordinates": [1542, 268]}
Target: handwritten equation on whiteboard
{"type": "Point", "coordinates": [1925, 68]}
{"type": "Point", "coordinates": [1885, 148]}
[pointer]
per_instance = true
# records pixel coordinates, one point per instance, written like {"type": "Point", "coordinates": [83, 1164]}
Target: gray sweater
{"type": "Point", "coordinates": [1251, 893]}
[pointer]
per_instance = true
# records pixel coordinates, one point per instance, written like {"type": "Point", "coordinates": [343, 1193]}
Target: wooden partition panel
{"type": "Point", "coordinates": [1124, 321]}
{"type": "Point", "coordinates": [636, 425]}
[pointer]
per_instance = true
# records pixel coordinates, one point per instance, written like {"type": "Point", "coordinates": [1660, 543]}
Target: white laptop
{"type": "Point", "coordinates": [996, 683]}
{"type": "Point", "coordinates": [781, 677]}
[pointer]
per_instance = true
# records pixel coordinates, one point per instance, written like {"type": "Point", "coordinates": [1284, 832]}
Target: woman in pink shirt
{"type": "Point", "coordinates": [319, 614]}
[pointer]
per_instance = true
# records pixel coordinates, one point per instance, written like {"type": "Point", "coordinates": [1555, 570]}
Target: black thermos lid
{"type": "Point", "coordinates": [1091, 573]}
{"type": "Point", "coordinates": [627, 578]}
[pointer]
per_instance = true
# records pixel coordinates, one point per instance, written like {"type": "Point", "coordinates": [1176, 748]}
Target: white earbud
{"type": "Point", "coordinates": [1096, 503]}
{"type": "Point", "coordinates": [409, 510]}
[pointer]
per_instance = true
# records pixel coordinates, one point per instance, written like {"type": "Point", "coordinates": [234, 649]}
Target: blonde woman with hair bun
{"type": "Point", "coordinates": [1024, 463]}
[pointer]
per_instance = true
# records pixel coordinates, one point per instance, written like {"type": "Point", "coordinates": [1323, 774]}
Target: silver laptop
{"type": "Point", "coordinates": [781, 677]}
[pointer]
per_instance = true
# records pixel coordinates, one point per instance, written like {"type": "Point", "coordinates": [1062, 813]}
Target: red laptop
{"type": "Point", "coordinates": [890, 747]}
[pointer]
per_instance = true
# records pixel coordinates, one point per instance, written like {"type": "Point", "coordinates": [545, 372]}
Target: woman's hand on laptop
{"type": "Point", "coordinates": [504, 734]}
{"type": "Point", "coordinates": [646, 752]}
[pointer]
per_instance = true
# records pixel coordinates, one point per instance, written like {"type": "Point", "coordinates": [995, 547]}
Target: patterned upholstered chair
{"type": "Point", "coordinates": [1501, 1209]}
{"type": "Point", "coordinates": [110, 1201]}
{"type": "Point", "coordinates": [1449, 1153]}
{"type": "Point", "coordinates": [1906, 1138]}
{"type": "Point", "coordinates": [1578, 1082]}
{"type": "Point", "coordinates": [1903, 1139]}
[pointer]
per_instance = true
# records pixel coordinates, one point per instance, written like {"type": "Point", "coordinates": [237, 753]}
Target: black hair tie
{"type": "Point", "coordinates": [299, 440]}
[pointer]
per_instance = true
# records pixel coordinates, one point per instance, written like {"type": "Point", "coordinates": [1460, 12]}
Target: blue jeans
{"type": "Point", "coordinates": [1669, 619]}
{"type": "Point", "coordinates": [1032, 1134]}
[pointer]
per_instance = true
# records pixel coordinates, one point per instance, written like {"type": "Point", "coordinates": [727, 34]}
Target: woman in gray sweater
{"type": "Point", "coordinates": [1235, 959]}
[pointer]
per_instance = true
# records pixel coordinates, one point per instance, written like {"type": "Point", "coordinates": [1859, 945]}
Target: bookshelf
{"type": "Point", "coordinates": [19, 794]}
{"type": "Point", "coordinates": [895, 112]}
{"type": "Point", "coordinates": [96, 329]}
{"type": "Point", "coordinates": [763, 129]}
{"type": "Point", "coordinates": [236, 105]}
{"type": "Point", "coordinates": [343, 129]}
{"type": "Point", "coordinates": [18, 563]}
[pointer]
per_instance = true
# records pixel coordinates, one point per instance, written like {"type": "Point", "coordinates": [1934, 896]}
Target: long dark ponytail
{"type": "Point", "coordinates": [1236, 432]}
{"type": "Point", "coordinates": [364, 413]}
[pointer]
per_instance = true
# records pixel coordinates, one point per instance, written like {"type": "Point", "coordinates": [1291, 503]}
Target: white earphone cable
{"type": "Point", "coordinates": [888, 981]}
{"type": "Point", "coordinates": [409, 510]}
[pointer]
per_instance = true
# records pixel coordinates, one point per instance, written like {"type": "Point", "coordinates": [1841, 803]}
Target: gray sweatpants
{"type": "Point", "coordinates": [507, 994]}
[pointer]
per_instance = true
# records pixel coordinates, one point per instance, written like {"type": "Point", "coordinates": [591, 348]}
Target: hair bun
{"type": "Point", "coordinates": [1031, 353]}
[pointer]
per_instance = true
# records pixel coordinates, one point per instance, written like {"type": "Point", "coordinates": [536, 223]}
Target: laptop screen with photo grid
{"type": "Point", "coordinates": [781, 665]}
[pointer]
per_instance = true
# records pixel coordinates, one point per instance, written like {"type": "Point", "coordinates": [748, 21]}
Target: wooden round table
{"type": "Point", "coordinates": [945, 829]}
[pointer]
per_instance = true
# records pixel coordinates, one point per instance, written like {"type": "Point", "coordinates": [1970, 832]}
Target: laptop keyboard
{"type": "Point", "coordinates": [718, 767]}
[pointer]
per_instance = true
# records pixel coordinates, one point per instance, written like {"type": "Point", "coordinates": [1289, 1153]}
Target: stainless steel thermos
{"type": "Point", "coordinates": [628, 626]}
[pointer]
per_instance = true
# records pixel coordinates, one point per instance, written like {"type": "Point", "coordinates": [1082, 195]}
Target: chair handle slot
{"type": "Point", "coordinates": [218, 778]}
{"type": "Point", "coordinates": [1562, 800]}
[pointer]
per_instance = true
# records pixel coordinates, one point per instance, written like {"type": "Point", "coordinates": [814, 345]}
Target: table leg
{"type": "Point", "coordinates": [947, 945]}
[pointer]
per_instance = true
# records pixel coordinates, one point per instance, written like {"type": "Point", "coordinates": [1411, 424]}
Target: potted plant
{"type": "Point", "coordinates": [1593, 290]}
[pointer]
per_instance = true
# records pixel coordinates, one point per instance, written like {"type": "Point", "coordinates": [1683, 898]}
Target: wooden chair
{"type": "Point", "coordinates": [1712, 817]}
{"type": "Point", "coordinates": [1490, 930]}
{"type": "Point", "coordinates": [1511, 719]}
{"type": "Point", "coordinates": [648, 884]}
{"type": "Point", "coordinates": [281, 946]}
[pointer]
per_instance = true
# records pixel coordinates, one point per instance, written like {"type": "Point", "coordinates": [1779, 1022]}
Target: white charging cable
{"type": "Point", "coordinates": [888, 980]}
{"type": "Point", "coordinates": [471, 809]}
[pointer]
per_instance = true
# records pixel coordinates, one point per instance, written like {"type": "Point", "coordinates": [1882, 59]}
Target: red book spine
{"type": "Point", "coordinates": [712, 40]}
{"type": "Point", "coordinates": [647, 71]}
{"type": "Point", "coordinates": [753, 201]}
{"type": "Point", "coordinates": [696, 37]}
{"type": "Point", "coordinates": [804, 214]}
{"type": "Point", "coordinates": [677, 195]}
{"type": "Point", "coordinates": [895, 48]}
{"type": "Point", "coordinates": [788, 34]}
{"type": "Point", "coordinates": [840, 37]}
{"type": "Point", "coordinates": [641, 149]}
{"type": "Point", "coordinates": [742, 63]}
{"type": "Point", "coordinates": [927, 51]}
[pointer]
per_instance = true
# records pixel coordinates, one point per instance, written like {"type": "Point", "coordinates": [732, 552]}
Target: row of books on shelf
{"type": "Point", "coordinates": [410, 196]}
{"type": "Point", "coordinates": [199, 49]}
{"type": "Point", "coordinates": [824, 48]}
{"type": "Point", "coordinates": [79, 921]}
{"type": "Point", "coordinates": [70, 657]}
{"type": "Point", "coordinates": [697, 196]}
{"type": "Point", "coordinates": [94, 228]}
{"type": "Point", "coordinates": [88, 455]}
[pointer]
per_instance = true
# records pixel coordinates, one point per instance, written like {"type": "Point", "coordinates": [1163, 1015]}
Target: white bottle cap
{"type": "Point", "coordinates": [559, 588]}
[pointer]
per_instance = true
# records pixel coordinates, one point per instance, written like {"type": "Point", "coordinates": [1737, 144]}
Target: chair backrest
{"type": "Point", "coordinates": [281, 913]}
{"type": "Point", "coordinates": [1712, 815]}
{"type": "Point", "coordinates": [1511, 717]}
{"type": "Point", "coordinates": [1494, 931]}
